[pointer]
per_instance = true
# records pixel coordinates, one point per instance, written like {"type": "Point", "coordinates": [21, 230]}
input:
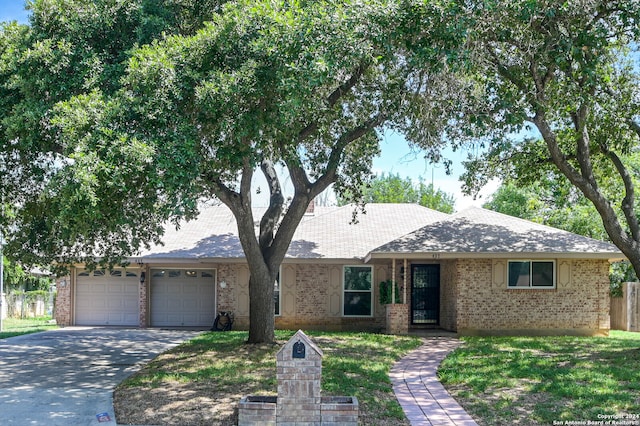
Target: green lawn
{"type": "Point", "coordinates": [15, 327]}
{"type": "Point", "coordinates": [542, 380]}
{"type": "Point", "coordinates": [201, 381]}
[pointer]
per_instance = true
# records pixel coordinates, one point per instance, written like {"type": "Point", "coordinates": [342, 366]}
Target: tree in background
{"type": "Point", "coordinates": [13, 275]}
{"type": "Point", "coordinates": [555, 202]}
{"type": "Point", "coordinates": [117, 117]}
{"type": "Point", "coordinates": [390, 188]}
{"type": "Point", "coordinates": [435, 199]}
{"type": "Point", "coordinates": [561, 206]}
{"type": "Point", "coordinates": [566, 70]}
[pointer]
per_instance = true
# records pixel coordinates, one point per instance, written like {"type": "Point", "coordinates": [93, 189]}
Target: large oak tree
{"type": "Point", "coordinates": [117, 117]}
{"type": "Point", "coordinates": [569, 72]}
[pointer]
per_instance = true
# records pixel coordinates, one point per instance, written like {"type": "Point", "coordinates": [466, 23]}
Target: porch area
{"type": "Point", "coordinates": [422, 299]}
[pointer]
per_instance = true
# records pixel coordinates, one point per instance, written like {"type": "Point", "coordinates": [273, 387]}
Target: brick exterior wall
{"type": "Point", "coordinates": [578, 305]}
{"type": "Point", "coordinates": [474, 298]}
{"type": "Point", "coordinates": [311, 299]}
{"type": "Point", "coordinates": [143, 299]}
{"type": "Point", "coordinates": [448, 295]}
{"type": "Point", "coordinates": [63, 301]}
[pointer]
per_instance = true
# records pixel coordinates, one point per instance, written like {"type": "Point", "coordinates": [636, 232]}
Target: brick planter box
{"type": "Point", "coordinates": [334, 410]}
{"type": "Point", "coordinates": [257, 410]}
{"type": "Point", "coordinates": [397, 319]}
{"type": "Point", "coordinates": [339, 410]}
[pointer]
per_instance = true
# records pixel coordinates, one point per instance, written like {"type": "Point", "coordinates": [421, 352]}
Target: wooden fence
{"type": "Point", "coordinates": [625, 310]}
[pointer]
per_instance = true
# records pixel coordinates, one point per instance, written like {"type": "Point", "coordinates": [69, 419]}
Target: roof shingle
{"type": "Point", "coordinates": [477, 230]}
{"type": "Point", "coordinates": [327, 234]}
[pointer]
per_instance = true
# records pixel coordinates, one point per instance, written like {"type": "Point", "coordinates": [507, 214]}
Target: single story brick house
{"type": "Point", "coordinates": [473, 272]}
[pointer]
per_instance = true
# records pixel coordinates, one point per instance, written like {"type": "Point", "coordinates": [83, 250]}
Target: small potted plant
{"type": "Point", "coordinates": [385, 292]}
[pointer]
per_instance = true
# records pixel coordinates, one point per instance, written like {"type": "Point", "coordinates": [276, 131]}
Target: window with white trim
{"type": "Point", "coordinates": [358, 291]}
{"type": "Point", "coordinates": [532, 274]}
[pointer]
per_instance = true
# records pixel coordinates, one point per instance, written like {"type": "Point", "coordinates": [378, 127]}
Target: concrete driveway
{"type": "Point", "coordinates": [67, 376]}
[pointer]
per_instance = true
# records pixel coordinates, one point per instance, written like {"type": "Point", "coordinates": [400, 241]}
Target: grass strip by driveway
{"type": "Point", "coordinates": [542, 380]}
{"type": "Point", "coordinates": [12, 327]}
{"type": "Point", "coordinates": [201, 381]}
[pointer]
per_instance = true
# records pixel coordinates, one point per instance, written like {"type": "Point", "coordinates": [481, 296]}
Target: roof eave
{"type": "Point", "coordinates": [439, 255]}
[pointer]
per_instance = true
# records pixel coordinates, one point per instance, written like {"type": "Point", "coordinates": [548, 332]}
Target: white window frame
{"type": "Point", "coordinates": [370, 291]}
{"type": "Point", "coordinates": [531, 262]}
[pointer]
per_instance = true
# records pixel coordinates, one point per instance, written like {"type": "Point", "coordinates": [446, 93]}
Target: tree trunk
{"type": "Point", "coordinates": [261, 306]}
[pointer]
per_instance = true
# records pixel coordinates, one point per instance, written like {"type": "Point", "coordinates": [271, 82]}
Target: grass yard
{"type": "Point", "coordinates": [12, 327]}
{"type": "Point", "coordinates": [201, 381]}
{"type": "Point", "coordinates": [542, 380]}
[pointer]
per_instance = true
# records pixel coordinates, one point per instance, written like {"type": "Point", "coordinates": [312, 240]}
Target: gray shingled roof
{"type": "Point", "coordinates": [332, 235]}
{"type": "Point", "coordinates": [479, 231]}
{"type": "Point", "coordinates": [326, 234]}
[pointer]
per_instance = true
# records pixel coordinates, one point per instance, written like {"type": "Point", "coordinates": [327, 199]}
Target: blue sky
{"type": "Point", "coordinates": [396, 156]}
{"type": "Point", "coordinates": [13, 10]}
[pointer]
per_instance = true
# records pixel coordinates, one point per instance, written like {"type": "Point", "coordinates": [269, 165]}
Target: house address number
{"type": "Point", "coordinates": [435, 255]}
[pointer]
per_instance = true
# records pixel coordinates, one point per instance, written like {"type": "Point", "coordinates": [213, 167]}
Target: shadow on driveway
{"type": "Point", "coordinates": [67, 376]}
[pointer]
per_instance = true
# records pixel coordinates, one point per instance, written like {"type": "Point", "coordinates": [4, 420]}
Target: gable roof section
{"type": "Point", "coordinates": [332, 235]}
{"type": "Point", "coordinates": [478, 232]}
{"type": "Point", "coordinates": [327, 234]}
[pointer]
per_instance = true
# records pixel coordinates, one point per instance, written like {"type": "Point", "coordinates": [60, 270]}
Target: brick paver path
{"type": "Point", "coordinates": [422, 397]}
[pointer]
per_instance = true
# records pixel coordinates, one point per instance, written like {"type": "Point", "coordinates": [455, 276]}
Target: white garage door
{"type": "Point", "coordinates": [183, 297]}
{"type": "Point", "coordinates": [107, 297]}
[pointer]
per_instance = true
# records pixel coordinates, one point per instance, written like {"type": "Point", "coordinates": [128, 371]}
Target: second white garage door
{"type": "Point", "coordinates": [183, 297]}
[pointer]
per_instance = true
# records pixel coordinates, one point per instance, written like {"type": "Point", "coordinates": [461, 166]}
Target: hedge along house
{"type": "Point", "coordinates": [472, 272]}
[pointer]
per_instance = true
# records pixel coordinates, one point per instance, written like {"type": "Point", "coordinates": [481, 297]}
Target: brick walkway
{"type": "Point", "coordinates": [422, 397]}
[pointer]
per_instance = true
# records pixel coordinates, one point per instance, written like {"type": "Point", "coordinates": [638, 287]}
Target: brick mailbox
{"type": "Point", "coordinates": [299, 372]}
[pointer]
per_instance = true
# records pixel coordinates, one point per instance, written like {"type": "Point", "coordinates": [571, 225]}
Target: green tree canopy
{"type": "Point", "coordinates": [559, 205]}
{"type": "Point", "coordinates": [390, 188]}
{"type": "Point", "coordinates": [567, 73]}
{"type": "Point", "coordinates": [116, 117]}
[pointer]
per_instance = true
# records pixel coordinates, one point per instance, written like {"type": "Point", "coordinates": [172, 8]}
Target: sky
{"type": "Point", "coordinates": [396, 156]}
{"type": "Point", "coordinates": [11, 10]}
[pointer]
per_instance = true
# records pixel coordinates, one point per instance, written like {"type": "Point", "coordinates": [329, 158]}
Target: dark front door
{"type": "Point", "coordinates": [425, 294]}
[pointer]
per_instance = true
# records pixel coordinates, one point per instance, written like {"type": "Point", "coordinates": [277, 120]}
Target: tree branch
{"type": "Point", "coordinates": [628, 202]}
{"type": "Point", "coordinates": [224, 193]}
{"type": "Point", "coordinates": [334, 97]}
{"type": "Point", "coordinates": [609, 218]}
{"type": "Point", "coordinates": [270, 218]}
{"type": "Point", "coordinates": [347, 85]}
{"type": "Point", "coordinates": [331, 170]}
{"type": "Point", "coordinates": [583, 151]}
{"type": "Point", "coordinates": [239, 202]}
{"type": "Point", "coordinates": [245, 184]}
{"type": "Point", "coordinates": [305, 191]}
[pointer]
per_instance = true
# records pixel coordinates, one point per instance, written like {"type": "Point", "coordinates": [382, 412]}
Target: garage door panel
{"type": "Point", "coordinates": [182, 297]}
{"type": "Point", "coordinates": [191, 290]}
{"type": "Point", "coordinates": [130, 305]}
{"type": "Point", "coordinates": [104, 298]}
